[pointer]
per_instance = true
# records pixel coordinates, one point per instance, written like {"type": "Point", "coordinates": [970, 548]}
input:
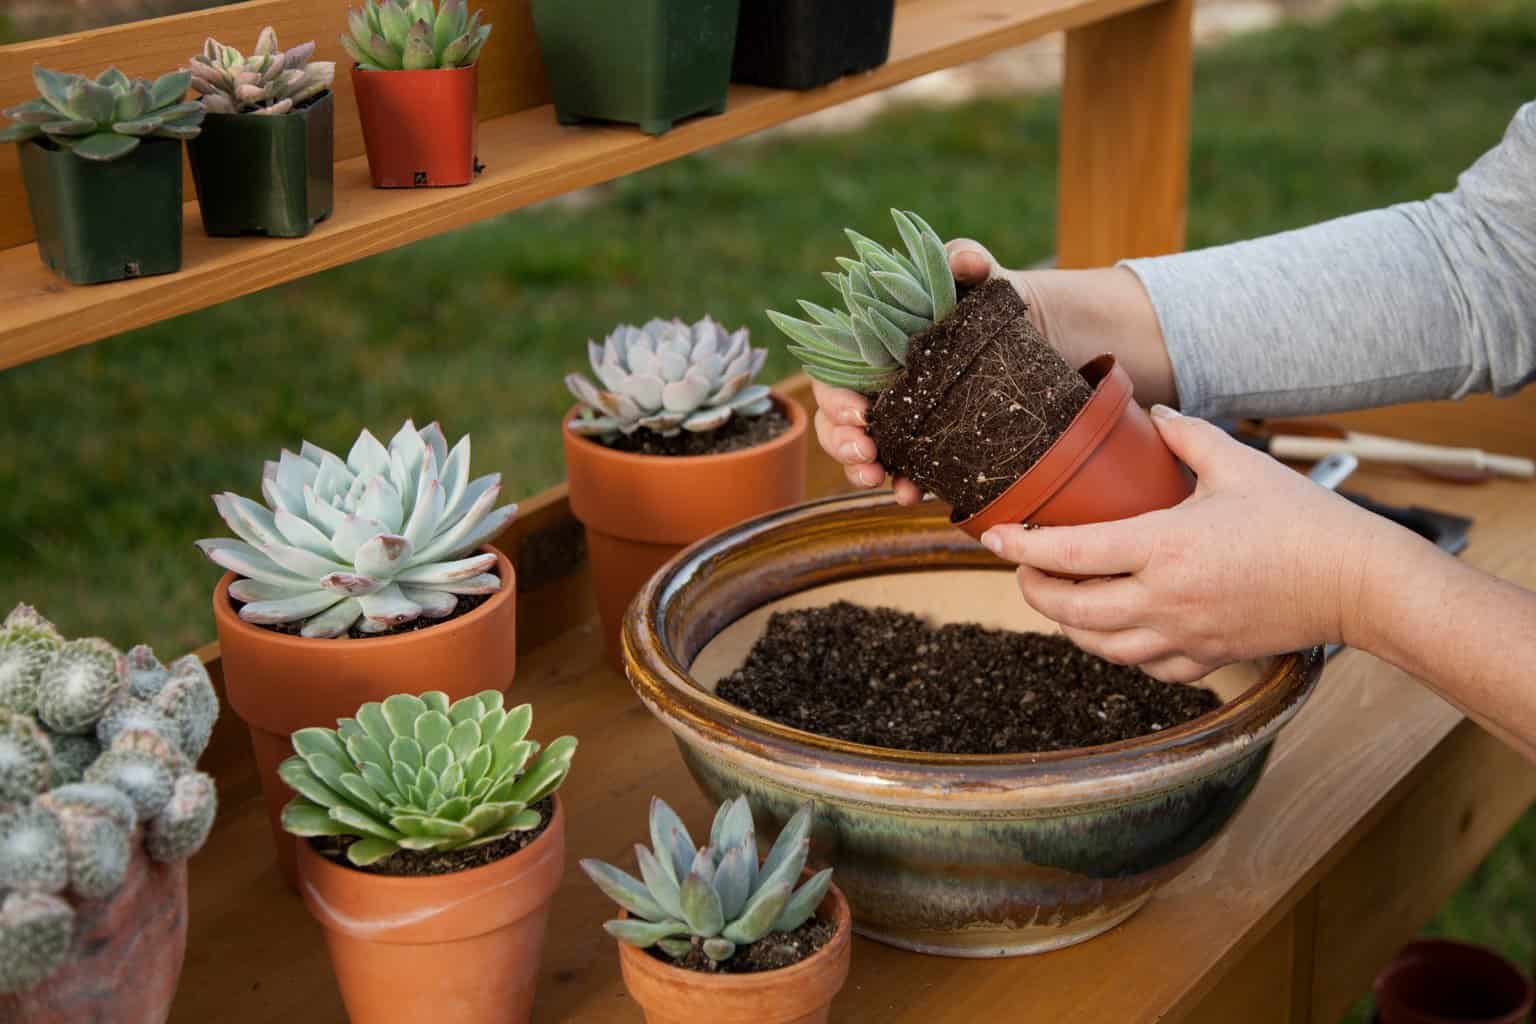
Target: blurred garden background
{"type": "Point", "coordinates": [108, 453]}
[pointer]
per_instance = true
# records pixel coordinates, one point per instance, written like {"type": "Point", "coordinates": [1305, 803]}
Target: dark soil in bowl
{"type": "Point", "coordinates": [467, 603]}
{"type": "Point", "coordinates": [436, 862]}
{"type": "Point", "coordinates": [769, 953]}
{"type": "Point", "coordinates": [886, 678]}
{"type": "Point", "coordinates": [738, 434]}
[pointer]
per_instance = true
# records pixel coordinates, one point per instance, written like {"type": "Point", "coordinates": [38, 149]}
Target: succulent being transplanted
{"type": "Point", "coordinates": [375, 541]}
{"type": "Point", "coordinates": [419, 773]}
{"type": "Point", "coordinates": [104, 119]}
{"type": "Point", "coordinates": [414, 35]}
{"type": "Point", "coordinates": [717, 898]}
{"type": "Point", "coordinates": [270, 81]}
{"type": "Point", "coordinates": [98, 755]}
{"type": "Point", "coordinates": [668, 377]}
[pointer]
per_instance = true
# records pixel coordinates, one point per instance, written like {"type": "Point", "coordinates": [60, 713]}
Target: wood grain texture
{"type": "Point", "coordinates": [1123, 181]}
{"type": "Point", "coordinates": [529, 157]}
{"type": "Point", "coordinates": [1257, 989]}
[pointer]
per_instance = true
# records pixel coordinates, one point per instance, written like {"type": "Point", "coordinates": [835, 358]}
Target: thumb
{"type": "Point", "coordinates": [1205, 448]}
{"type": "Point", "coordinates": [970, 261]}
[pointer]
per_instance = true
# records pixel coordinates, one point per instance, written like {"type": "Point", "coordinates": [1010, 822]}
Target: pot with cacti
{"type": "Point", "coordinates": [431, 844]}
{"type": "Point", "coordinates": [417, 82]}
{"type": "Point", "coordinates": [714, 934]}
{"type": "Point", "coordinates": [264, 162]}
{"type": "Point", "coordinates": [101, 160]}
{"type": "Point", "coordinates": [356, 579]}
{"type": "Point", "coordinates": [801, 44]}
{"type": "Point", "coordinates": [101, 804]}
{"type": "Point", "coordinates": [673, 442]}
{"type": "Point", "coordinates": [972, 403]}
{"type": "Point", "coordinates": [642, 62]}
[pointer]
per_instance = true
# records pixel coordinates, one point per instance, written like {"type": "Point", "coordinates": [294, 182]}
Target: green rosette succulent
{"type": "Point", "coordinates": [104, 119]}
{"type": "Point", "coordinates": [270, 82]}
{"type": "Point", "coordinates": [414, 35]}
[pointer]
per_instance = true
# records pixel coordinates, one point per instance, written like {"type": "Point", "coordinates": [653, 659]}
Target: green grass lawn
{"type": "Point", "coordinates": [108, 453]}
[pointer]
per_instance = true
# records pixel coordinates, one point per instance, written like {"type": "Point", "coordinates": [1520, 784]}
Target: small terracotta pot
{"type": "Point", "coordinates": [126, 956]}
{"type": "Point", "coordinates": [1439, 981]}
{"type": "Point", "coordinates": [279, 683]}
{"type": "Point", "coordinates": [419, 127]}
{"type": "Point", "coordinates": [463, 947]}
{"type": "Point", "coordinates": [799, 994]}
{"type": "Point", "coordinates": [640, 510]}
{"type": "Point", "coordinates": [1110, 463]}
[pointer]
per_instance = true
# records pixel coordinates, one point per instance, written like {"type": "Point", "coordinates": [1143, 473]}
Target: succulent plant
{"type": "Point", "coordinates": [667, 377]}
{"type": "Point", "coordinates": [382, 537]}
{"type": "Point", "coordinates": [419, 773]}
{"type": "Point", "coordinates": [104, 119]}
{"type": "Point", "coordinates": [716, 898]}
{"type": "Point", "coordinates": [890, 297]}
{"type": "Point", "coordinates": [414, 35]}
{"type": "Point", "coordinates": [270, 81]}
{"type": "Point", "coordinates": [96, 755]}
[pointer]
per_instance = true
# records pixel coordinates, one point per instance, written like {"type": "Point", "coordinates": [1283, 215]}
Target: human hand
{"type": "Point", "coordinates": [1258, 561]}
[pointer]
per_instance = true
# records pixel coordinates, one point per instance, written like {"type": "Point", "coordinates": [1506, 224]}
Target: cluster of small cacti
{"type": "Point", "coordinates": [270, 81]}
{"type": "Point", "coordinates": [98, 752]}
{"type": "Point", "coordinates": [716, 898]}
{"type": "Point", "coordinates": [104, 119]}
{"type": "Point", "coordinates": [376, 541]}
{"type": "Point", "coordinates": [414, 35]}
{"type": "Point", "coordinates": [667, 377]}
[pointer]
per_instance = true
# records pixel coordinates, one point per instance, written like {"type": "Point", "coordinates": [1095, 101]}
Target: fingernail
{"type": "Point", "coordinates": [854, 452]}
{"type": "Point", "coordinates": [992, 542]}
{"type": "Point", "coordinates": [853, 418]}
{"type": "Point", "coordinates": [870, 477]}
{"type": "Point", "coordinates": [1162, 412]}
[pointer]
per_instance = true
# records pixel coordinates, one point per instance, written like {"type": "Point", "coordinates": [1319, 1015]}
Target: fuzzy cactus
{"type": "Point", "coordinates": [145, 673]}
{"type": "Point", "coordinates": [72, 755]}
{"type": "Point", "coordinates": [26, 758]}
{"type": "Point", "coordinates": [28, 643]}
{"type": "Point", "coordinates": [32, 857]}
{"type": "Point", "coordinates": [35, 935]}
{"type": "Point", "coordinates": [79, 684]}
{"type": "Point", "coordinates": [143, 765]}
{"type": "Point", "coordinates": [183, 824]}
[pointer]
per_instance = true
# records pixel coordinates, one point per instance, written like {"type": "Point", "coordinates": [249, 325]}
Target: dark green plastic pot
{"type": "Point", "coordinates": [266, 175]}
{"type": "Point", "coordinates": [643, 62]}
{"type": "Point", "coordinates": [106, 221]}
{"type": "Point", "coordinates": [801, 44]}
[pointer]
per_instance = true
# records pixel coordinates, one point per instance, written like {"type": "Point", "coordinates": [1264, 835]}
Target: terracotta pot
{"type": "Point", "coordinates": [640, 510]}
{"type": "Point", "coordinates": [419, 127]}
{"type": "Point", "coordinates": [1110, 463]}
{"type": "Point", "coordinates": [279, 683]}
{"type": "Point", "coordinates": [799, 994]}
{"type": "Point", "coordinates": [126, 956]}
{"type": "Point", "coordinates": [463, 947]}
{"type": "Point", "coordinates": [1438, 981]}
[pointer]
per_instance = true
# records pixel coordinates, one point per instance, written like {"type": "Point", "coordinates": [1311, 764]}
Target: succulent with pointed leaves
{"type": "Point", "coordinates": [667, 377]}
{"type": "Point", "coordinates": [270, 81]}
{"type": "Point", "coordinates": [889, 296]}
{"type": "Point", "coordinates": [28, 643]}
{"type": "Point", "coordinates": [376, 541]}
{"type": "Point", "coordinates": [104, 119]}
{"type": "Point", "coordinates": [419, 773]}
{"type": "Point", "coordinates": [716, 898]}
{"type": "Point", "coordinates": [414, 35]}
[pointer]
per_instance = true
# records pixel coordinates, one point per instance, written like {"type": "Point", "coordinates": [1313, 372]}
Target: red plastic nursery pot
{"type": "Point", "coordinates": [640, 510]}
{"type": "Point", "coordinates": [461, 948]}
{"type": "Point", "coordinates": [279, 683]}
{"type": "Point", "coordinates": [1439, 981]}
{"type": "Point", "coordinates": [1110, 463]}
{"type": "Point", "coordinates": [420, 128]}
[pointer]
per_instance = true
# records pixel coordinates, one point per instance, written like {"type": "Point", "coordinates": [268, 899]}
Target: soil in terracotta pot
{"type": "Point", "coordinates": [772, 951]}
{"type": "Point", "coordinates": [889, 679]}
{"type": "Point", "coordinates": [982, 397]}
{"type": "Point", "coordinates": [739, 433]}
{"type": "Point", "coordinates": [433, 862]}
{"type": "Point", "coordinates": [467, 603]}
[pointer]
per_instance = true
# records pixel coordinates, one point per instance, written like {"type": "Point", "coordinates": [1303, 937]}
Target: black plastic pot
{"type": "Point", "coordinates": [800, 44]}
{"type": "Point", "coordinates": [107, 221]}
{"type": "Point", "coordinates": [266, 175]}
{"type": "Point", "coordinates": [644, 62]}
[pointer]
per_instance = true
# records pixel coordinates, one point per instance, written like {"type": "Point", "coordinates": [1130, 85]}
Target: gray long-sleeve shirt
{"type": "Point", "coordinates": [1435, 299]}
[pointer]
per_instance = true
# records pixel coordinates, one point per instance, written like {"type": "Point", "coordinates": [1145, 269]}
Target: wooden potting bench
{"type": "Point", "coordinates": [1380, 797]}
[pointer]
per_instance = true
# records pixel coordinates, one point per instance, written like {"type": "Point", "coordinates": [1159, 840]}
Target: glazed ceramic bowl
{"type": "Point", "coordinates": [962, 855]}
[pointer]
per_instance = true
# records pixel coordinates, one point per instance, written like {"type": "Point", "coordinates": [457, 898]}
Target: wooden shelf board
{"type": "Point", "coordinates": [529, 158]}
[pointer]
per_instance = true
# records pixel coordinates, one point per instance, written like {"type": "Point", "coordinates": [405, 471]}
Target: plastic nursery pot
{"type": "Point", "coordinates": [643, 62]}
{"type": "Point", "coordinates": [419, 127]}
{"type": "Point", "coordinates": [800, 44]}
{"type": "Point", "coordinates": [1438, 981]}
{"type": "Point", "coordinates": [126, 953]}
{"type": "Point", "coordinates": [107, 221]}
{"type": "Point", "coordinates": [462, 947]}
{"type": "Point", "coordinates": [266, 175]}
{"type": "Point", "coordinates": [640, 510]}
{"type": "Point", "coordinates": [801, 993]}
{"type": "Point", "coordinates": [279, 683]}
{"type": "Point", "coordinates": [1110, 463]}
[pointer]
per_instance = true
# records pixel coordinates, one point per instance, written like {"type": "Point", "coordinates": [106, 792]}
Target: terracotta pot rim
{"type": "Point", "coordinates": [1426, 949]}
{"type": "Point", "coordinates": [228, 618]}
{"type": "Point", "coordinates": [798, 423]}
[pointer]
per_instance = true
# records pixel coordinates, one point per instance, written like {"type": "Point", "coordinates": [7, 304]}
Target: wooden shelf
{"type": "Point", "coordinates": [529, 158]}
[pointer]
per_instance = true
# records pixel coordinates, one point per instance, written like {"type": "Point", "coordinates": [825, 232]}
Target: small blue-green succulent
{"type": "Point", "coordinates": [104, 119]}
